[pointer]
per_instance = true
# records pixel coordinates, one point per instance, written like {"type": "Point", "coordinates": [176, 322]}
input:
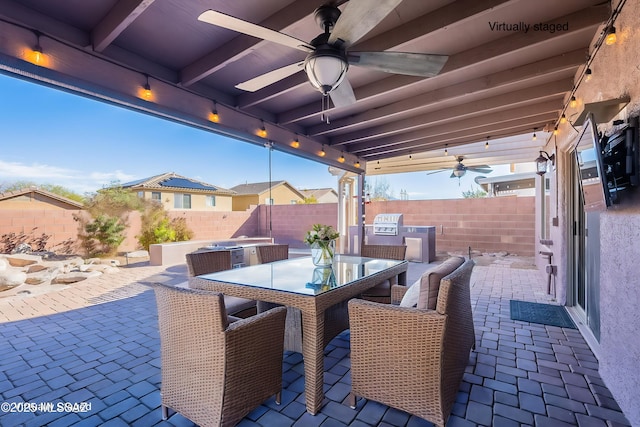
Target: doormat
{"type": "Point", "coordinates": [546, 314]}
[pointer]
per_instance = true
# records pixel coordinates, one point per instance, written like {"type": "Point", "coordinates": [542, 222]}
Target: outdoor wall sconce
{"type": "Point", "coordinates": [541, 162]}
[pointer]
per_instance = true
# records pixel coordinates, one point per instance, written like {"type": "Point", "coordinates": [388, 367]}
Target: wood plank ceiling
{"type": "Point", "coordinates": [498, 85]}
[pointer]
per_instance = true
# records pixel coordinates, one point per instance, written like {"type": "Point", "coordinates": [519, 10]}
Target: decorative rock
{"type": "Point", "coordinates": [11, 278]}
{"type": "Point", "coordinates": [34, 268]}
{"type": "Point", "coordinates": [75, 276]}
{"type": "Point", "coordinates": [42, 276]}
{"type": "Point", "coordinates": [22, 260]}
{"type": "Point", "coordinates": [103, 268]}
{"type": "Point", "coordinates": [21, 248]}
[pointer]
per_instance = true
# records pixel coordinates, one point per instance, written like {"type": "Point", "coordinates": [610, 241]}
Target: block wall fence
{"type": "Point", "coordinates": [500, 224]}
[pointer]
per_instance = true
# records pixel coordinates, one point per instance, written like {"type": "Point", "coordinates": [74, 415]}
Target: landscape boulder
{"type": "Point", "coordinates": [39, 277]}
{"type": "Point", "coordinates": [75, 276]}
{"type": "Point", "coordinates": [10, 278]}
{"type": "Point", "coordinates": [22, 260]}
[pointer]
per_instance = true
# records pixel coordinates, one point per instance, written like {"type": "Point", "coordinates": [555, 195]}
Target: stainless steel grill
{"type": "Point", "coordinates": [387, 224]}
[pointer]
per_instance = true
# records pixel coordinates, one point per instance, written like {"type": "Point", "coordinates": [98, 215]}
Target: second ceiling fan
{"type": "Point", "coordinates": [328, 57]}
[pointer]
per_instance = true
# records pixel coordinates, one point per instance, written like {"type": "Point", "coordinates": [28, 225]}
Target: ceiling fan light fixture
{"type": "Point", "coordinates": [326, 68]}
{"type": "Point", "coordinates": [459, 172]}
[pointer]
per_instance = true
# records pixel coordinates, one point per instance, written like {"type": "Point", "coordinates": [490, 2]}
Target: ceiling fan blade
{"type": "Point", "coordinates": [231, 23]}
{"type": "Point", "coordinates": [476, 170]}
{"type": "Point", "coordinates": [343, 95]}
{"type": "Point", "coordinates": [412, 64]}
{"type": "Point", "coordinates": [359, 17]}
{"type": "Point", "coordinates": [271, 77]}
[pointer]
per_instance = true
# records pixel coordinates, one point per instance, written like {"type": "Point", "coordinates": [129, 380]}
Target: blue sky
{"type": "Point", "coordinates": [53, 137]}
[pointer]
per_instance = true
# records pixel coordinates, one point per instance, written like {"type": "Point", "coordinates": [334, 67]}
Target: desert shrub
{"type": "Point", "coordinates": [157, 227]}
{"type": "Point", "coordinates": [103, 235]}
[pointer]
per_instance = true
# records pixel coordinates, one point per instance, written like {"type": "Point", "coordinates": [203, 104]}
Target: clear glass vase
{"type": "Point", "coordinates": [322, 252]}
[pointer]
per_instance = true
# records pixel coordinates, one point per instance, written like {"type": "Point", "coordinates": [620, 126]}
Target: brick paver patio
{"type": "Point", "coordinates": [97, 342]}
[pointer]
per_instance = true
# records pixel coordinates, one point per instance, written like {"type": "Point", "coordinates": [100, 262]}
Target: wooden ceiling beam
{"type": "Point", "coordinates": [547, 108]}
{"type": "Point", "coordinates": [461, 137]}
{"type": "Point", "coordinates": [420, 27]}
{"type": "Point", "coordinates": [121, 15]}
{"type": "Point", "coordinates": [243, 45]}
{"type": "Point", "coordinates": [564, 64]}
{"type": "Point", "coordinates": [581, 20]}
{"type": "Point", "coordinates": [504, 101]}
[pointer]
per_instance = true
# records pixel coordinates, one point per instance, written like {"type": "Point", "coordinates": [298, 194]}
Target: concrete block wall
{"type": "Point", "coordinates": [290, 222]}
{"type": "Point", "coordinates": [488, 224]}
{"type": "Point", "coordinates": [497, 224]}
{"type": "Point", "coordinates": [57, 223]}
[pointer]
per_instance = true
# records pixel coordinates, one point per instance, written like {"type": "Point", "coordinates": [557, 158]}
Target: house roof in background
{"type": "Point", "coordinates": [13, 194]}
{"type": "Point", "coordinates": [318, 192]}
{"type": "Point", "coordinates": [173, 181]}
{"type": "Point", "coordinates": [257, 188]}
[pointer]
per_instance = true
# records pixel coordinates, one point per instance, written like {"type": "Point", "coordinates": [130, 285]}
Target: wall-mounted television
{"type": "Point", "coordinates": [592, 170]}
{"type": "Point", "coordinates": [608, 164]}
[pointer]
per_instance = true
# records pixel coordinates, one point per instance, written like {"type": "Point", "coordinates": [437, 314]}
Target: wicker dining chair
{"type": "Point", "coordinates": [271, 253]}
{"type": "Point", "coordinates": [413, 359]}
{"type": "Point", "coordinates": [205, 262]}
{"type": "Point", "coordinates": [382, 292]}
{"type": "Point", "coordinates": [215, 372]}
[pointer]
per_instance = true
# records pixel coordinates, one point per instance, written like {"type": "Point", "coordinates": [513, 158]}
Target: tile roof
{"type": "Point", "coordinates": [173, 181]}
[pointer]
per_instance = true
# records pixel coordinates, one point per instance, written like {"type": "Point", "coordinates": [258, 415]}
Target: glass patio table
{"type": "Point", "coordinates": [316, 292]}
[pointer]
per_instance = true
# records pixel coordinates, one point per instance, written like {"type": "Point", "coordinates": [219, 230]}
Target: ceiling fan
{"type": "Point", "coordinates": [328, 57]}
{"type": "Point", "coordinates": [460, 169]}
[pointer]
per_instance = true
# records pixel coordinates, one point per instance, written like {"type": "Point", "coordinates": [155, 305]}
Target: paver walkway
{"type": "Point", "coordinates": [97, 343]}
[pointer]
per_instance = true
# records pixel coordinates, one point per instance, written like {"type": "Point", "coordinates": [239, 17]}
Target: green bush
{"type": "Point", "coordinates": [157, 227]}
{"type": "Point", "coordinates": [103, 235]}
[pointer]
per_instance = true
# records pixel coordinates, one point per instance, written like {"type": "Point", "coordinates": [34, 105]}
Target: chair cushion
{"type": "Point", "coordinates": [430, 282]}
{"type": "Point", "coordinates": [410, 298]}
{"type": "Point", "coordinates": [235, 305]}
{"type": "Point", "coordinates": [423, 293]}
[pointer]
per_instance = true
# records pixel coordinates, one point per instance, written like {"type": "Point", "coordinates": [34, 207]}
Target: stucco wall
{"type": "Point", "coordinates": [198, 201]}
{"type": "Point", "coordinates": [616, 73]}
{"type": "Point", "coordinates": [620, 306]}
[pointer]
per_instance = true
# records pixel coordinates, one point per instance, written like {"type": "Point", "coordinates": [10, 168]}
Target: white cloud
{"type": "Point", "coordinates": [75, 180]}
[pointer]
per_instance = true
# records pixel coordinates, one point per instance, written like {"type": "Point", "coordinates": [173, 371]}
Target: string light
{"type": "Point", "coordinates": [262, 132]}
{"type": "Point", "coordinates": [611, 37]}
{"type": "Point", "coordinates": [588, 75]}
{"type": "Point", "coordinates": [534, 137]}
{"type": "Point", "coordinates": [295, 143]}
{"type": "Point", "coordinates": [37, 57]}
{"type": "Point", "coordinates": [555, 130]}
{"type": "Point", "coordinates": [486, 144]}
{"type": "Point", "coordinates": [357, 163]}
{"type": "Point", "coordinates": [341, 159]}
{"type": "Point", "coordinates": [563, 119]}
{"type": "Point", "coordinates": [146, 90]}
{"type": "Point", "coordinates": [322, 153]}
{"type": "Point", "coordinates": [446, 150]}
{"type": "Point", "coordinates": [214, 117]}
{"type": "Point", "coordinates": [574, 102]}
